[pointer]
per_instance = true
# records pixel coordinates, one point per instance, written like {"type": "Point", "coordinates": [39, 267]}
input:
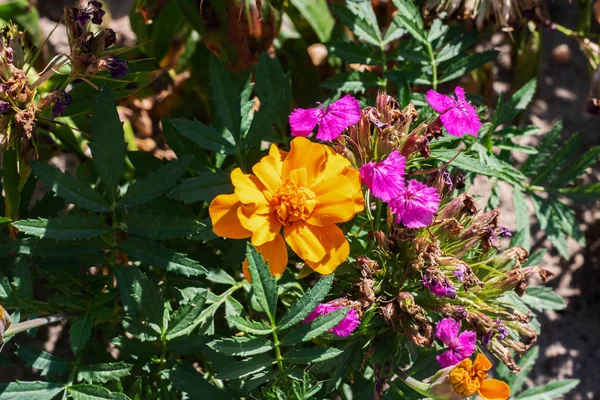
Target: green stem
{"type": "Point", "coordinates": [72, 375]}
{"type": "Point", "coordinates": [414, 384]}
{"type": "Point", "coordinates": [378, 213]}
{"type": "Point", "coordinates": [433, 65]}
{"type": "Point", "coordinates": [33, 323]}
{"type": "Point", "coordinates": [276, 342]}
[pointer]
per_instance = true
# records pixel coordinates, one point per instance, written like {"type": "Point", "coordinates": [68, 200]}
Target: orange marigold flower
{"type": "Point", "coordinates": [305, 192]}
{"type": "Point", "coordinates": [469, 377]}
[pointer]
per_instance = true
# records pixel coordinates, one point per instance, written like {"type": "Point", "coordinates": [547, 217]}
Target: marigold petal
{"type": "Point", "coordinates": [494, 389]}
{"type": "Point", "coordinates": [482, 363]}
{"type": "Point", "coordinates": [334, 202]}
{"type": "Point", "coordinates": [269, 173]}
{"type": "Point", "coordinates": [299, 177]}
{"type": "Point", "coordinates": [337, 164]}
{"type": "Point", "coordinates": [307, 241]}
{"type": "Point", "coordinates": [275, 255]}
{"type": "Point", "coordinates": [304, 154]}
{"type": "Point", "coordinates": [337, 249]}
{"type": "Point", "coordinates": [223, 214]}
{"type": "Point", "coordinates": [264, 227]}
{"type": "Point", "coordinates": [278, 155]}
{"type": "Point", "coordinates": [249, 189]}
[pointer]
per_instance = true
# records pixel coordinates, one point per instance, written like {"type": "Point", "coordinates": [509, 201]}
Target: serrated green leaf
{"type": "Point", "coordinates": [52, 248]}
{"type": "Point", "coordinates": [45, 362]}
{"type": "Point", "coordinates": [506, 111]}
{"type": "Point", "coordinates": [589, 192]}
{"type": "Point", "coordinates": [220, 276]}
{"type": "Point", "coordinates": [30, 390]}
{"type": "Point", "coordinates": [355, 81]}
{"type": "Point", "coordinates": [155, 184]}
{"type": "Point", "coordinates": [526, 363]}
{"type": "Point", "coordinates": [71, 227]}
{"type": "Point", "coordinates": [523, 236]}
{"type": "Point", "coordinates": [93, 392]}
{"type": "Point", "coordinates": [69, 188]}
{"type": "Point", "coordinates": [410, 18]}
{"type": "Point", "coordinates": [186, 319]}
{"type": "Point", "coordinates": [307, 303]}
{"type": "Point", "coordinates": [311, 355]}
{"type": "Point", "coordinates": [542, 298]}
{"type": "Point", "coordinates": [108, 141]}
{"type": "Point", "coordinates": [356, 17]}
{"type": "Point", "coordinates": [162, 257]}
{"type": "Point", "coordinates": [509, 145]}
{"type": "Point", "coordinates": [316, 328]}
{"type": "Point", "coordinates": [252, 327]}
{"type": "Point", "coordinates": [4, 220]}
{"type": "Point", "coordinates": [549, 391]}
{"type": "Point", "coordinates": [22, 281]}
{"type": "Point", "coordinates": [241, 346]}
{"type": "Point", "coordinates": [559, 159]}
{"type": "Point", "coordinates": [204, 136]}
{"type": "Point", "coordinates": [101, 373]}
{"type": "Point", "coordinates": [264, 119]}
{"type": "Point", "coordinates": [394, 31]}
{"type": "Point", "coordinates": [205, 187]}
{"type": "Point", "coordinates": [263, 284]}
{"type": "Point", "coordinates": [80, 332]}
{"type": "Point", "coordinates": [139, 295]}
{"type": "Point", "coordinates": [161, 227]}
{"type": "Point", "coordinates": [463, 161]}
{"type": "Point", "coordinates": [467, 63]}
{"type": "Point", "coordinates": [316, 13]}
{"type": "Point", "coordinates": [246, 367]}
{"type": "Point", "coordinates": [354, 52]}
{"type": "Point", "coordinates": [226, 96]}
{"type": "Point", "coordinates": [577, 168]}
{"type": "Point", "coordinates": [189, 381]}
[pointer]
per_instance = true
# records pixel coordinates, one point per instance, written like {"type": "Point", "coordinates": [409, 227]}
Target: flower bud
{"type": "Point", "coordinates": [461, 205]}
{"type": "Point", "coordinates": [4, 322]}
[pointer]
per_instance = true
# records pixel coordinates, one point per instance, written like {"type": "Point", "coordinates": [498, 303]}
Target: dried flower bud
{"type": "Point", "coordinates": [458, 207]}
{"type": "Point", "coordinates": [367, 266]}
{"type": "Point", "coordinates": [118, 68]}
{"type": "Point", "coordinates": [4, 322]}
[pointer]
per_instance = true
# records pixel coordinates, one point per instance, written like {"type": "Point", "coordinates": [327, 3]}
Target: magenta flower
{"type": "Point", "coordinates": [457, 114]}
{"type": "Point", "coordinates": [331, 120]}
{"type": "Point", "coordinates": [385, 179]}
{"type": "Point", "coordinates": [345, 327]}
{"type": "Point", "coordinates": [460, 346]}
{"type": "Point", "coordinates": [416, 205]}
{"type": "Point", "coordinates": [438, 285]}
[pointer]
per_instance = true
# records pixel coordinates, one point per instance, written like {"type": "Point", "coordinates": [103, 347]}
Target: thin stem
{"type": "Point", "coordinates": [33, 323]}
{"type": "Point", "coordinates": [433, 66]}
{"type": "Point", "coordinates": [276, 342]}
{"type": "Point", "coordinates": [39, 50]}
{"type": "Point", "coordinates": [378, 214]}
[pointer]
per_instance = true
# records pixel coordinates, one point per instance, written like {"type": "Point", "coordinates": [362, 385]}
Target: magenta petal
{"type": "Point", "coordinates": [449, 358]}
{"type": "Point", "coordinates": [347, 325]}
{"type": "Point", "coordinates": [465, 343]}
{"type": "Point", "coordinates": [416, 205]}
{"type": "Point", "coordinates": [447, 330]}
{"type": "Point", "coordinates": [338, 116]}
{"type": "Point", "coordinates": [303, 121]}
{"type": "Point", "coordinates": [438, 101]}
{"type": "Point", "coordinates": [460, 94]}
{"type": "Point", "coordinates": [461, 119]}
{"type": "Point", "coordinates": [385, 179]}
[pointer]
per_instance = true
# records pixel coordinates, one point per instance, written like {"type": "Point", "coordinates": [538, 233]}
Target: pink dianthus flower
{"type": "Point", "coordinates": [331, 120]}
{"type": "Point", "coordinates": [457, 114]}
{"type": "Point", "coordinates": [385, 179]}
{"type": "Point", "coordinates": [416, 205]}
{"type": "Point", "coordinates": [345, 327]}
{"type": "Point", "coordinates": [460, 346]}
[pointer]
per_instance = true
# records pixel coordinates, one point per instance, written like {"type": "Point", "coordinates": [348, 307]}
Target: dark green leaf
{"type": "Point", "coordinates": [577, 168]}
{"type": "Point", "coordinates": [80, 332]}
{"type": "Point", "coordinates": [303, 307]}
{"type": "Point", "coordinates": [316, 13]}
{"type": "Point", "coordinates": [205, 187]}
{"type": "Point", "coordinates": [263, 284]}
{"type": "Point", "coordinates": [549, 391]}
{"type": "Point", "coordinates": [467, 63]}
{"type": "Point", "coordinates": [354, 52]}
{"type": "Point", "coordinates": [186, 319]}
{"type": "Point", "coordinates": [311, 355]}
{"type": "Point", "coordinates": [589, 192]}
{"type": "Point", "coordinates": [410, 18]}
{"type": "Point", "coordinates": [564, 156]}
{"type": "Point", "coordinates": [542, 298]}
{"type": "Point", "coordinates": [30, 390]}
{"type": "Point", "coordinates": [69, 188]}
{"type": "Point", "coordinates": [93, 392]}
{"type": "Point", "coordinates": [162, 257]}
{"type": "Point", "coordinates": [252, 327]}
{"type": "Point", "coordinates": [161, 227]}
{"type": "Point", "coordinates": [188, 380]}
{"type": "Point", "coordinates": [353, 16]}
{"type": "Point", "coordinates": [241, 346]}
{"type": "Point", "coordinates": [155, 184]}
{"type": "Point", "coordinates": [526, 362]}
{"type": "Point", "coordinates": [100, 373]}
{"type": "Point", "coordinates": [316, 328]}
{"type": "Point", "coordinates": [246, 367]}
{"type": "Point", "coordinates": [226, 96]}
{"type": "Point", "coordinates": [506, 111]}
{"type": "Point", "coordinates": [523, 236]}
{"type": "Point", "coordinates": [204, 136]}
{"type": "Point", "coordinates": [262, 123]}
{"type": "Point", "coordinates": [71, 227]}
{"type": "Point", "coordinates": [108, 141]}
{"type": "Point", "coordinates": [355, 81]}
{"type": "Point", "coordinates": [45, 362]}
{"type": "Point", "coordinates": [139, 295]}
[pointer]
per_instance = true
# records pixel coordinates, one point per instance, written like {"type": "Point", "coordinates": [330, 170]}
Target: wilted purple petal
{"type": "Point", "coordinates": [4, 106]}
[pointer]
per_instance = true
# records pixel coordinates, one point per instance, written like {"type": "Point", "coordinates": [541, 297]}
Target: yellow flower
{"type": "Point", "coordinates": [469, 377]}
{"type": "Point", "coordinates": [305, 192]}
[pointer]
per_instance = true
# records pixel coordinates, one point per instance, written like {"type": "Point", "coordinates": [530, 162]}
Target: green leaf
{"type": "Point", "coordinates": [273, 82]}
{"type": "Point", "coordinates": [80, 332]}
{"type": "Point", "coordinates": [523, 236]}
{"type": "Point", "coordinates": [589, 192]}
{"type": "Point", "coordinates": [467, 63]}
{"type": "Point", "coordinates": [463, 161]}
{"type": "Point", "coordinates": [526, 362]}
{"type": "Point", "coordinates": [355, 81]}
{"type": "Point", "coordinates": [93, 392]}
{"type": "Point", "coordinates": [252, 327]}
{"type": "Point", "coordinates": [101, 373]}
{"type": "Point", "coordinates": [410, 18]}
{"type": "Point", "coordinates": [316, 328]}
{"type": "Point", "coordinates": [30, 390]}
{"type": "Point", "coordinates": [139, 295]}
{"type": "Point", "coordinates": [303, 307]}
{"type": "Point", "coordinates": [542, 298]}
{"type": "Point", "coordinates": [316, 13]}
{"type": "Point", "coordinates": [22, 280]}
{"type": "Point", "coordinates": [241, 346]}
{"type": "Point", "coordinates": [353, 17]}
{"type": "Point", "coordinates": [45, 362]}
{"type": "Point", "coordinates": [262, 123]}
{"type": "Point", "coordinates": [220, 276]}
{"type": "Point", "coordinates": [160, 227]}
{"type": "Point", "coordinates": [69, 188]}
{"type": "Point", "coordinates": [263, 284]}
{"type": "Point", "coordinates": [506, 111]}
{"type": "Point", "coordinates": [155, 184]}
{"type": "Point", "coordinates": [226, 96]}
{"type": "Point", "coordinates": [205, 187]}
{"type": "Point", "coordinates": [186, 319]}
{"type": "Point", "coordinates": [71, 227]}
{"type": "Point", "coordinates": [108, 141]}
{"type": "Point", "coordinates": [311, 355]}
{"type": "Point", "coordinates": [578, 167]}
{"type": "Point", "coordinates": [189, 381]}
{"type": "Point", "coordinates": [162, 257]}
{"type": "Point", "coordinates": [394, 31]}
{"type": "Point", "coordinates": [245, 367]}
{"type": "Point", "coordinates": [354, 52]}
{"type": "Point", "coordinates": [549, 391]}
{"type": "Point", "coordinates": [204, 136]}
{"type": "Point", "coordinates": [4, 220]}
{"type": "Point", "coordinates": [556, 161]}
